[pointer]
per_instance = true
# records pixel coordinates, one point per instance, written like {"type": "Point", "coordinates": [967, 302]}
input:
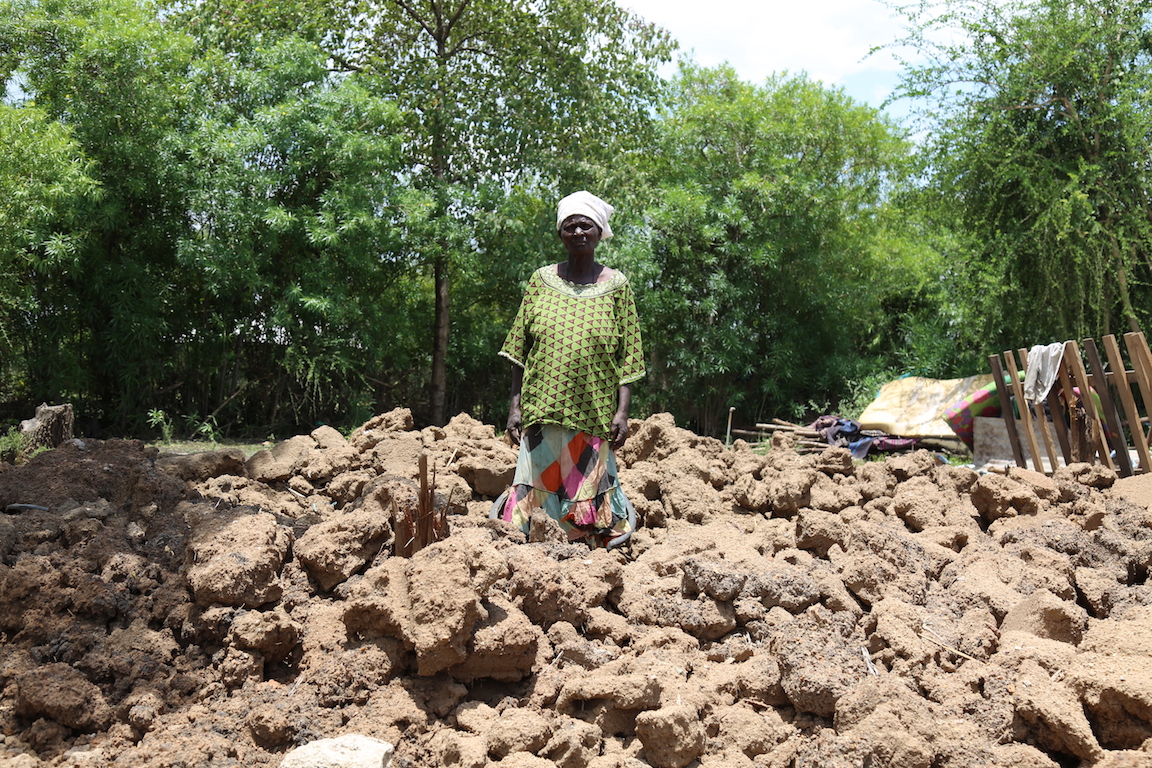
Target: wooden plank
{"type": "Point", "coordinates": [1137, 347]}
{"type": "Point", "coordinates": [1041, 420]}
{"type": "Point", "coordinates": [1056, 410]}
{"type": "Point", "coordinates": [1025, 415]}
{"type": "Point", "coordinates": [1080, 446]}
{"type": "Point", "coordinates": [1124, 387]}
{"type": "Point", "coordinates": [1080, 376]}
{"type": "Point", "coordinates": [1006, 409]}
{"type": "Point", "coordinates": [1111, 415]}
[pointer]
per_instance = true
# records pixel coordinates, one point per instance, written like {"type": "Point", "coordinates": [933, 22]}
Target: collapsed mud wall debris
{"type": "Point", "coordinates": [775, 610]}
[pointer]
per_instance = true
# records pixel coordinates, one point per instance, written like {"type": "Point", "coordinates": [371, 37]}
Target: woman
{"type": "Point", "coordinates": [575, 347]}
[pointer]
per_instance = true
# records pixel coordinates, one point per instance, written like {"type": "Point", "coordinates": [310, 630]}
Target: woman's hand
{"type": "Point", "coordinates": [514, 421]}
{"type": "Point", "coordinates": [619, 430]}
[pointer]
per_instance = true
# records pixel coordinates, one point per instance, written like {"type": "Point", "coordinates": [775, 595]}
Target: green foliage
{"type": "Point", "coordinates": [43, 187]}
{"type": "Point", "coordinates": [11, 443]}
{"type": "Point", "coordinates": [492, 94]}
{"type": "Point", "coordinates": [158, 419]}
{"type": "Point", "coordinates": [1041, 158]}
{"type": "Point", "coordinates": [763, 272]}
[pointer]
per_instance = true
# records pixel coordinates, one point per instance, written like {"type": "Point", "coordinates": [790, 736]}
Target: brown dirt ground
{"type": "Point", "coordinates": [775, 610]}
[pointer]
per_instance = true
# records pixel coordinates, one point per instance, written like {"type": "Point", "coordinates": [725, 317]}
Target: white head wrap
{"type": "Point", "coordinates": [585, 204]}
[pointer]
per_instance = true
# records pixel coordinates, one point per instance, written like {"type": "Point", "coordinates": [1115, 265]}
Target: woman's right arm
{"type": "Point", "coordinates": [514, 418]}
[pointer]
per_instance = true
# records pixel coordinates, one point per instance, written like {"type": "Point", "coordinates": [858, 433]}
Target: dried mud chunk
{"type": "Point", "coordinates": [791, 490]}
{"type": "Point", "coordinates": [398, 453]}
{"type": "Point", "coordinates": [716, 578]}
{"type": "Point", "coordinates": [996, 496]}
{"type": "Point", "coordinates": [1098, 588]}
{"type": "Point", "coordinates": [573, 744]}
{"type": "Point", "coordinates": [1117, 691]}
{"type": "Point", "coordinates": [751, 493]}
{"type": "Point", "coordinates": [453, 749]}
{"type": "Point", "coordinates": [1131, 636]}
{"type": "Point", "coordinates": [1043, 486]}
{"type": "Point", "coordinates": [876, 480]}
{"type": "Point", "coordinates": [548, 590]}
{"type": "Point", "coordinates": [432, 601]}
{"type": "Point", "coordinates": [782, 584]}
{"type": "Point", "coordinates": [346, 487]}
{"type": "Point", "coordinates": [573, 649]}
{"type": "Point", "coordinates": [275, 724]}
{"type": "Point", "coordinates": [818, 530]}
{"type": "Point", "coordinates": [517, 730]}
{"type": "Point", "coordinates": [835, 461]}
{"type": "Point", "coordinates": [882, 560]}
{"type": "Point", "coordinates": [817, 666]}
{"type": "Point", "coordinates": [922, 504]}
{"type": "Point", "coordinates": [1045, 615]}
{"type": "Point", "coordinates": [908, 465]}
{"type": "Point", "coordinates": [61, 693]}
{"type": "Point", "coordinates": [235, 558]}
{"type": "Point", "coordinates": [333, 550]}
{"type": "Point", "coordinates": [753, 733]}
{"type": "Point", "coordinates": [331, 456]}
{"type": "Point", "coordinates": [672, 736]}
{"type": "Point", "coordinates": [7, 536]}
{"type": "Point", "coordinates": [197, 467]}
{"type": "Point", "coordinates": [273, 633]}
{"type": "Point", "coordinates": [900, 722]}
{"type": "Point", "coordinates": [1053, 714]}
{"type": "Point", "coordinates": [281, 461]}
{"type": "Point", "coordinates": [688, 498]}
{"type": "Point", "coordinates": [463, 426]}
{"type": "Point", "coordinates": [488, 470]}
{"type": "Point", "coordinates": [377, 427]}
{"type": "Point", "coordinates": [704, 617]}
{"type": "Point", "coordinates": [1092, 475]}
{"type": "Point", "coordinates": [504, 645]}
{"type": "Point", "coordinates": [897, 625]}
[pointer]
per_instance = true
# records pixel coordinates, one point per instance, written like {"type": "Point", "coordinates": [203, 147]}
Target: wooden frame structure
{"type": "Point", "coordinates": [1079, 422]}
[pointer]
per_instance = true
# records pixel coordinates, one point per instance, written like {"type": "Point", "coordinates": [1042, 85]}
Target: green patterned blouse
{"type": "Point", "coordinates": [577, 344]}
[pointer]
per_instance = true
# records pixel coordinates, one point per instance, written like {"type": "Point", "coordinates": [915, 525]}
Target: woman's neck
{"type": "Point", "coordinates": [582, 270]}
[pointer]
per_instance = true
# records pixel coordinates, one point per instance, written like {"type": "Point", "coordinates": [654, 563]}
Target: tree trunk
{"type": "Point", "coordinates": [439, 384]}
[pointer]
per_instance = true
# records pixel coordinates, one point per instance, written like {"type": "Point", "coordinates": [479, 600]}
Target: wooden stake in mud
{"type": "Point", "coordinates": [416, 529]}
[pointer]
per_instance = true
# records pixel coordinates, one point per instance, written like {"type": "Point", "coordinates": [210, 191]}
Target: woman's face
{"type": "Point", "coordinates": [579, 235]}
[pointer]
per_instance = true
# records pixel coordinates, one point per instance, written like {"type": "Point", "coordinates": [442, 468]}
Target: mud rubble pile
{"type": "Point", "coordinates": [775, 610]}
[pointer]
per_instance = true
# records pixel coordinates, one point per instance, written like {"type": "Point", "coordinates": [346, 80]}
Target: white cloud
{"type": "Point", "coordinates": [830, 40]}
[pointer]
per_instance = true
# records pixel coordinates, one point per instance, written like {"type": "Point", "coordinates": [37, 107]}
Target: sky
{"type": "Point", "coordinates": [830, 40]}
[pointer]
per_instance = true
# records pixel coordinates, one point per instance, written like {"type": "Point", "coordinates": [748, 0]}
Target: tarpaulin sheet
{"type": "Point", "coordinates": [914, 405]}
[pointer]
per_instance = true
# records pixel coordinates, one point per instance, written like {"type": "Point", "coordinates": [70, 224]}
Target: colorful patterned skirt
{"type": "Point", "coordinates": [572, 476]}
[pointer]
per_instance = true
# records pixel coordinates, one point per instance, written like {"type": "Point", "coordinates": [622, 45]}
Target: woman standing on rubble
{"type": "Point", "coordinates": [575, 348]}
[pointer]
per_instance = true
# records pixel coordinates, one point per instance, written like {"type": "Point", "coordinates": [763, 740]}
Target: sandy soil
{"type": "Point", "coordinates": [776, 610]}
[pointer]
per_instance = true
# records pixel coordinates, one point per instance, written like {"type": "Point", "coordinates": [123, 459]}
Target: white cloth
{"type": "Point", "coordinates": [585, 204]}
{"type": "Point", "coordinates": [1043, 368]}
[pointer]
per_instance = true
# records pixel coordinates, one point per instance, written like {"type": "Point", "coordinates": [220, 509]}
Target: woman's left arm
{"type": "Point", "coordinates": [619, 432]}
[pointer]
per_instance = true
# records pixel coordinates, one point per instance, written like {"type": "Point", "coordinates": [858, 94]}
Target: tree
{"type": "Point", "coordinates": [241, 249]}
{"type": "Point", "coordinates": [43, 181]}
{"type": "Point", "coordinates": [294, 249]}
{"type": "Point", "coordinates": [1041, 155]}
{"type": "Point", "coordinates": [761, 287]}
{"type": "Point", "coordinates": [494, 93]}
{"type": "Point", "coordinates": [114, 78]}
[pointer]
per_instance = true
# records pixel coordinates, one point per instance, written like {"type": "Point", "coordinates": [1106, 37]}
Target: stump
{"type": "Point", "coordinates": [51, 426]}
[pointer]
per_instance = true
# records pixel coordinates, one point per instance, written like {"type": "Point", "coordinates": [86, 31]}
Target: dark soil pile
{"type": "Point", "coordinates": [775, 610]}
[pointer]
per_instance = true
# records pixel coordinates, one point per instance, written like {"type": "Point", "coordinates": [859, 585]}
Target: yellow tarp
{"type": "Point", "coordinates": [914, 406]}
